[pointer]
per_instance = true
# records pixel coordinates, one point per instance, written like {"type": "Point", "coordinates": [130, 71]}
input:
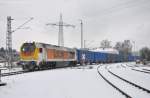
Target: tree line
{"type": "Point", "coordinates": [15, 53]}
{"type": "Point", "coordinates": [145, 53]}
{"type": "Point", "coordinates": [126, 47]}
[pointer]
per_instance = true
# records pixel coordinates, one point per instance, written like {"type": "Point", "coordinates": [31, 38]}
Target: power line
{"type": "Point", "coordinates": [23, 24]}
{"type": "Point", "coordinates": [122, 6]}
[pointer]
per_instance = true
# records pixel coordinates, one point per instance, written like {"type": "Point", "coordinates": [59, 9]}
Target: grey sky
{"type": "Point", "coordinates": [115, 20]}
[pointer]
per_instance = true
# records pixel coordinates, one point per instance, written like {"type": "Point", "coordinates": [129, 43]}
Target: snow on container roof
{"type": "Point", "coordinates": [106, 50]}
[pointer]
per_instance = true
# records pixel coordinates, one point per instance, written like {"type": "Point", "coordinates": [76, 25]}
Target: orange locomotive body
{"type": "Point", "coordinates": [59, 54]}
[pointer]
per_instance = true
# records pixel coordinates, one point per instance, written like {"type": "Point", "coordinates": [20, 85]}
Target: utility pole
{"type": "Point", "coordinates": [134, 50]}
{"type": "Point", "coordinates": [83, 57]}
{"type": "Point", "coordinates": [9, 57]}
{"type": "Point", "coordinates": [84, 44]}
{"type": "Point", "coordinates": [81, 33]}
{"type": "Point", "coordinates": [60, 35]}
{"type": "Point", "coordinates": [60, 24]}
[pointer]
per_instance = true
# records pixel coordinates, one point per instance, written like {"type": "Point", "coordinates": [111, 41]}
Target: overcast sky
{"type": "Point", "coordinates": [115, 20]}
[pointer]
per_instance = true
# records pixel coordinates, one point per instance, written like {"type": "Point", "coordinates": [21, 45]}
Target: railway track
{"type": "Point", "coordinates": [114, 86]}
{"type": "Point", "coordinates": [22, 72]}
{"type": "Point", "coordinates": [125, 87]}
{"type": "Point", "coordinates": [123, 66]}
{"type": "Point", "coordinates": [141, 71]}
{"type": "Point", "coordinates": [140, 87]}
{"type": "Point", "coordinates": [18, 72]}
{"type": "Point", "coordinates": [129, 66]}
{"type": "Point", "coordinates": [146, 69]}
{"type": "Point", "coordinates": [12, 73]}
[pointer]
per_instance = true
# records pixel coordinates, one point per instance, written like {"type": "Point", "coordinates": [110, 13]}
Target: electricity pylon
{"type": "Point", "coordinates": [60, 24]}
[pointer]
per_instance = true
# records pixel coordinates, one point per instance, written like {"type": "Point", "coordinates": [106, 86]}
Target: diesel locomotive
{"type": "Point", "coordinates": [42, 56]}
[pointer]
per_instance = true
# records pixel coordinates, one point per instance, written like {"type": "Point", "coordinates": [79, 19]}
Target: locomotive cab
{"type": "Point", "coordinates": [28, 55]}
{"type": "Point", "coordinates": [28, 51]}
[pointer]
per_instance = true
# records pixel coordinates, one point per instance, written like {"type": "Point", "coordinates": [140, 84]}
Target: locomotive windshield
{"type": "Point", "coordinates": [28, 47]}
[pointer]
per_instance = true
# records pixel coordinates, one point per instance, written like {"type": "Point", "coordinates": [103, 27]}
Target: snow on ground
{"type": "Point", "coordinates": [139, 78]}
{"type": "Point", "coordinates": [58, 83]}
{"type": "Point", "coordinates": [126, 87]}
{"type": "Point", "coordinates": [126, 72]}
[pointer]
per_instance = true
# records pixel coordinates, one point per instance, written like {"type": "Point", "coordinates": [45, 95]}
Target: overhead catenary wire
{"type": "Point", "coordinates": [23, 24]}
{"type": "Point", "coordinates": [122, 6]}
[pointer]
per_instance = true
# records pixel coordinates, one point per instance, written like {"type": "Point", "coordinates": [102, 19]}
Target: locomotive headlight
{"type": "Point", "coordinates": [23, 49]}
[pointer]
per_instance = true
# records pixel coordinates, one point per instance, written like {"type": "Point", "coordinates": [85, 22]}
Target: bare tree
{"type": "Point", "coordinates": [124, 48]}
{"type": "Point", "coordinates": [106, 44]}
{"type": "Point", "coordinates": [145, 53]}
{"type": "Point", "coordinates": [127, 46]}
{"type": "Point", "coordinates": [119, 46]}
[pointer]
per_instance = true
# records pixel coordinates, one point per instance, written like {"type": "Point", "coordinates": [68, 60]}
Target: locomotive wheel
{"type": "Point", "coordinates": [31, 67]}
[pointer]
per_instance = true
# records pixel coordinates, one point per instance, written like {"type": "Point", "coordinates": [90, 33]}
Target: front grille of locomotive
{"type": "Point", "coordinates": [28, 51]}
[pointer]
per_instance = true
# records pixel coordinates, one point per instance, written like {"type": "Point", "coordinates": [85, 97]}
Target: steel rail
{"type": "Point", "coordinates": [118, 89]}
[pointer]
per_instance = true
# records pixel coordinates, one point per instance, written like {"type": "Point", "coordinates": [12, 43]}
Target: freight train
{"type": "Point", "coordinates": [36, 56]}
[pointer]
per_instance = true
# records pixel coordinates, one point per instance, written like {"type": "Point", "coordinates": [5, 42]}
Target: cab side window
{"type": "Point", "coordinates": [40, 50]}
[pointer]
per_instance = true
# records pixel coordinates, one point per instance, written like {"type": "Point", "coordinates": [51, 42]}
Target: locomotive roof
{"type": "Point", "coordinates": [50, 45]}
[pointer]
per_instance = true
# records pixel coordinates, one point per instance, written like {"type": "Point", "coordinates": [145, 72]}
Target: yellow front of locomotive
{"type": "Point", "coordinates": [29, 52]}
